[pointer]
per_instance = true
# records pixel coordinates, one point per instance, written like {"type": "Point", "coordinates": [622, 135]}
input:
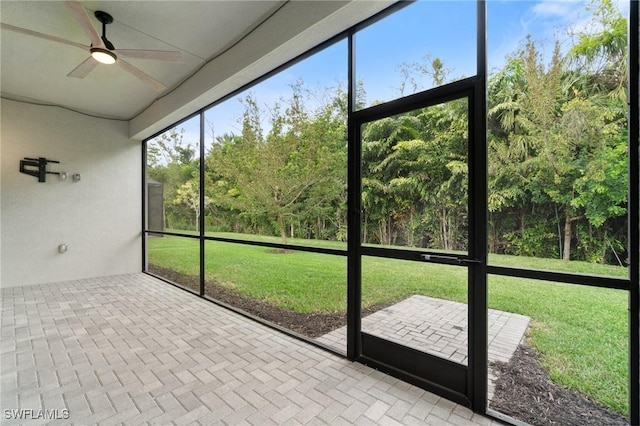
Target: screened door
{"type": "Point", "coordinates": [414, 256]}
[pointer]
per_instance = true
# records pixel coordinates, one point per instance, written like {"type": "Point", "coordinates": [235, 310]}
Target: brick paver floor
{"type": "Point", "coordinates": [439, 327]}
{"type": "Point", "coordinates": [132, 350]}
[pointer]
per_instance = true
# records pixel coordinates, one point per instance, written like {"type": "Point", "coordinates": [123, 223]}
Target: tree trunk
{"type": "Point", "coordinates": [364, 230]}
{"type": "Point", "coordinates": [283, 229]}
{"type": "Point", "coordinates": [444, 237]}
{"type": "Point", "coordinates": [165, 221]}
{"type": "Point", "coordinates": [603, 260]}
{"type": "Point", "coordinates": [492, 234]}
{"type": "Point", "coordinates": [559, 230]}
{"type": "Point", "coordinates": [409, 231]}
{"type": "Point", "coordinates": [566, 249]}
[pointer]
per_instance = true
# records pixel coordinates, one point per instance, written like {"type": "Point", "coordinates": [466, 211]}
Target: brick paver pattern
{"type": "Point", "coordinates": [131, 349]}
{"type": "Point", "coordinates": [438, 327]}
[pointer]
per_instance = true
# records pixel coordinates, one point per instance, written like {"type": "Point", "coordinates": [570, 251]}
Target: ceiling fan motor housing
{"type": "Point", "coordinates": [103, 17]}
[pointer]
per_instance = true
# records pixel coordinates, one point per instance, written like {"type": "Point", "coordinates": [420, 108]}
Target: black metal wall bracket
{"type": "Point", "coordinates": [40, 165]}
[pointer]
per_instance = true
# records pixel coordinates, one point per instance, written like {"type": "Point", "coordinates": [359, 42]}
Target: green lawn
{"type": "Point", "coordinates": [581, 331]}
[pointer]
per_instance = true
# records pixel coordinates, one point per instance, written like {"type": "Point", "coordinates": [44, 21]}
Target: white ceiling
{"type": "Point", "coordinates": [36, 69]}
{"type": "Point", "coordinates": [221, 42]}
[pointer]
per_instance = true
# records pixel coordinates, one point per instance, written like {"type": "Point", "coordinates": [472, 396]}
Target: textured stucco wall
{"type": "Point", "coordinates": [98, 217]}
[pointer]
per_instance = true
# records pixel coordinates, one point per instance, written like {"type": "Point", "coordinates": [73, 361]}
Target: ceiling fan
{"type": "Point", "coordinates": [101, 49]}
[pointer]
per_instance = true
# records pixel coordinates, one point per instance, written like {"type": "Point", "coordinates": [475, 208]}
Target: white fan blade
{"type": "Point", "coordinates": [84, 68]}
{"type": "Point", "coordinates": [146, 78]}
{"type": "Point", "coordinates": [41, 35]}
{"type": "Point", "coordinates": [80, 15]}
{"type": "Point", "coordinates": [158, 55]}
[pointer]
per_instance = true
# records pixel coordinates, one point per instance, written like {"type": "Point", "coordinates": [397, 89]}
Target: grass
{"type": "Point", "coordinates": [581, 331]}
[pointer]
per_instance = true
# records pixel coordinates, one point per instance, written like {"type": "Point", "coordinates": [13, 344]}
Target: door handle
{"type": "Point", "coordinates": [437, 258]}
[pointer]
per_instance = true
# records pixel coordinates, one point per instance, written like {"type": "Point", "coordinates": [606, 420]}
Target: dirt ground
{"type": "Point", "coordinates": [523, 390]}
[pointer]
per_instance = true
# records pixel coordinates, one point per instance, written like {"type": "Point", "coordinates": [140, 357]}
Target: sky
{"type": "Point", "coordinates": [445, 29]}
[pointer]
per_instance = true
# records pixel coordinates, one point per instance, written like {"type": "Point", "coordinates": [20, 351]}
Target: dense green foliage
{"type": "Point", "coordinates": [557, 173]}
{"type": "Point", "coordinates": [558, 152]}
{"type": "Point", "coordinates": [414, 178]}
{"type": "Point", "coordinates": [289, 182]}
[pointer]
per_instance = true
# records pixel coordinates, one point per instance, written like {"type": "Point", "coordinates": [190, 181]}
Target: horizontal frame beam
{"type": "Point", "coordinates": [561, 277]}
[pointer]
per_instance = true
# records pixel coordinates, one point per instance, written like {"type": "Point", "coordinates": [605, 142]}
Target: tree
{"type": "Point", "coordinates": [600, 55]}
{"type": "Point", "coordinates": [280, 176]}
{"type": "Point", "coordinates": [415, 177]}
{"type": "Point", "coordinates": [385, 203]}
{"type": "Point", "coordinates": [557, 145]}
{"type": "Point", "coordinates": [415, 73]}
{"type": "Point", "coordinates": [189, 195]}
{"type": "Point", "coordinates": [172, 163]}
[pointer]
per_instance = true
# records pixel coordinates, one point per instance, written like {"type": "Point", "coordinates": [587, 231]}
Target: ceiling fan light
{"type": "Point", "coordinates": [103, 56]}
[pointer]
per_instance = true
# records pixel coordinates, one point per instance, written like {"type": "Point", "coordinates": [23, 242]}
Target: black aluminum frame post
{"type": "Point", "coordinates": [634, 212]}
{"type": "Point", "coordinates": [354, 207]}
{"type": "Point", "coordinates": [201, 223]}
{"type": "Point", "coordinates": [144, 205]}
{"type": "Point", "coordinates": [477, 290]}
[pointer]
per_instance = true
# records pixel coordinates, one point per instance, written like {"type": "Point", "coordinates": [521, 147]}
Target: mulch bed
{"type": "Point", "coordinates": [310, 325]}
{"type": "Point", "coordinates": [522, 391]}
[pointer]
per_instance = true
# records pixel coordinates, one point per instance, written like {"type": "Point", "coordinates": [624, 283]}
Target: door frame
{"type": "Point", "coordinates": [466, 385]}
